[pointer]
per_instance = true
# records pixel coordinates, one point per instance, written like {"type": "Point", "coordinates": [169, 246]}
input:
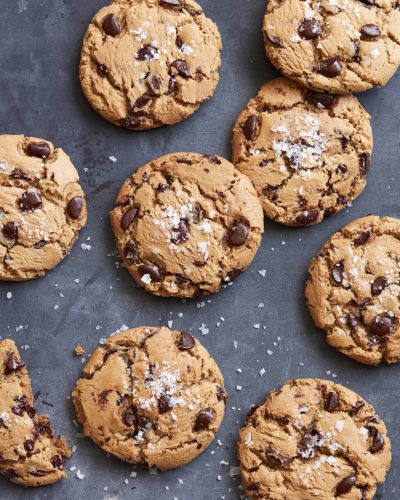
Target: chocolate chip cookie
{"type": "Point", "coordinates": [307, 153]}
{"type": "Point", "coordinates": [353, 290]}
{"type": "Point", "coordinates": [42, 207]}
{"type": "Point", "coordinates": [313, 439]}
{"type": "Point", "coordinates": [29, 453]}
{"type": "Point", "coordinates": [187, 223]}
{"type": "Point", "coordinates": [341, 46]}
{"type": "Point", "coordinates": [151, 396]}
{"type": "Point", "coordinates": [147, 63]}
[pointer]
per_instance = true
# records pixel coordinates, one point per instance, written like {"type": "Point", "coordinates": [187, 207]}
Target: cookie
{"type": "Point", "coordinates": [151, 396]}
{"type": "Point", "coordinates": [340, 46]}
{"type": "Point", "coordinates": [29, 453]}
{"type": "Point", "coordinates": [42, 207]}
{"type": "Point", "coordinates": [313, 439]}
{"type": "Point", "coordinates": [353, 290]}
{"type": "Point", "coordinates": [186, 224]}
{"type": "Point", "coordinates": [307, 153]}
{"type": "Point", "coordinates": [147, 63]}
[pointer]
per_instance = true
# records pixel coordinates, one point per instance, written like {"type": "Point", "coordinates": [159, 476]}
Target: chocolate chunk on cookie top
{"type": "Point", "coordinates": [186, 224]}
{"type": "Point", "coordinates": [42, 207]}
{"type": "Point", "coordinates": [147, 63]}
{"type": "Point", "coordinates": [307, 153]}
{"type": "Point", "coordinates": [151, 396]}
{"type": "Point", "coordinates": [341, 46]}
{"type": "Point", "coordinates": [30, 454]}
{"type": "Point", "coordinates": [353, 290]}
{"type": "Point", "coordinates": [313, 439]}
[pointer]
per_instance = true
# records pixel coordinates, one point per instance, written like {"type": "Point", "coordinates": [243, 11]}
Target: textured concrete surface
{"type": "Point", "coordinates": [40, 95]}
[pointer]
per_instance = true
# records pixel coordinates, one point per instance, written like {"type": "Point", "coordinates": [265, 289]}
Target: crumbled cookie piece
{"type": "Point", "coordinates": [79, 350]}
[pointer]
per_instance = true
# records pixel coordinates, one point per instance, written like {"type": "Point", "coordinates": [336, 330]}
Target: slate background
{"type": "Point", "coordinates": [40, 95]}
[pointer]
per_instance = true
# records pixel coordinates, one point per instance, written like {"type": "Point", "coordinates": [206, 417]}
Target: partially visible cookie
{"type": "Point", "coordinates": [353, 290]}
{"type": "Point", "coordinates": [42, 207]}
{"type": "Point", "coordinates": [341, 46]}
{"type": "Point", "coordinates": [307, 153]}
{"type": "Point", "coordinates": [313, 439]}
{"type": "Point", "coordinates": [29, 453]}
{"type": "Point", "coordinates": [186, 224]}
{"type": "Point", "coordinates": [151, 396]}
{"type": "Point", "coordinates": [147, 63]}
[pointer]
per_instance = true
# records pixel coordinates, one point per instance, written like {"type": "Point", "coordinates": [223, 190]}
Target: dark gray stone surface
{"type": "Point", "coordinates": [40, 95]}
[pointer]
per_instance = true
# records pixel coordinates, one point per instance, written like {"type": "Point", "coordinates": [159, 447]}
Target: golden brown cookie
{"type": "Point", "coordinates": [341, 46]}
{"type": "Point", "coordinates": [313, 439]}
{"type": "Point", "coordinates": [353, 290]}
{"type": "Point", "coordinates": [186, 223]}
{"type": "Point", "coordinates": [42, 207]}
{"type": "Point", "coordinates": [29, 453]}
{"type": "Point", "coordinates": [151, 396]}
{"type": "Point", "coordinates": [307, 153]}
{"type": "Point", "coordinates": [147, 63]}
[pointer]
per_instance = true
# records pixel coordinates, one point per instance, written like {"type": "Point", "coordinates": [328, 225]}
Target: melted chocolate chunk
{"type": "Point", "coordinates": [130, 416]}
{"type": "Point", "coordinates": [111, 25]}
{"type": "Point", "coordinates": [204, 419]}
{"type": "Point", "coordinates": [57, 462]}
{"type": "Point", "coordinates": [238, 234]}
{"type": "Point", "coordinates": [330, 68]}
{"type": "Point", "coordinates": [186, 342]}
{"type": "Point", "coordinates": [221, 394]}
{"type": "Point", "coordinates": [131, 251]}
{"type": "Point", "coordinates": [10, 231]}
{"type": "Point", "coordinates": [362, 238]}
{"type": "Point", "coordinates": [307, 217]}
{"type": "Point", "coordinates": [275, 41]}
{"type": "Point", "coordinates": [12, 365]}
{"type": "Point", "coordinates": [356, 408]}
{"type": "Point", "coordinates": [322, 100]}
{"type": "Point", "coordinates": [382, 325]}
{"type": "Point", "coordinates": [309, 29]}
{"type": "Point", "coordinates": [364, 162]}
{"type": "Point", "coordinates": [181, 233]}
{"type": "Point", "coordinates": [17, 173]}
{"type": "Point", "coordinates": [337, 272]}
{"type": "Point", "coordinates": [74, 207]}
{"type": "Point", "coordinates": [275, 459]}
{"type": "Point", "coordinates": [30, 200]}
{"type": "Point", "coordinates": [379, 284]}
{"type": "Point", "coordinates": [146, 53]}
{"type": "Point", "coordinates": [143, 100]}
{"type": "Point", "coordinates": [38, 149]}
{"type": "Point", "coordinates": [370, 32]}
{"type": "Point", "coordinates": [345, 485]}
{"type": "Point", "coordinates": [29, 445]}
{"type": "Point", "coordinates": [128, 217]}
{"type": "Point", "coordinates": [331, 401]}
{"type": "Point", "coordinates": [250, 128]}
{"type": "Point", "coordinates": [378, 441]}
{"type": "Point", "coordinates": [352, 321]}
{"type": "Point", "coordinates": [152, 271]}
{"type": "Point", "coordinates": [181, 67]}
{"type": "Point", "coordinates": [164, 404]}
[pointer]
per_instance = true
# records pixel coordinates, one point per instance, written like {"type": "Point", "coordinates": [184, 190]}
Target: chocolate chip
{"type": "Point", "coordinates": [111, 25]}
{"type": "Point", "coordinates": [172, 85]}
{"type": "Point", "coordinates": [309, 443]}
{"type": "Point", "coordinates": [130, 122]}
{"type": "Point", "coordinates": [331, 401]}
{"type": "Point", "coordinates": [131, 251]}
{"type": "Point", "coordinates": [130, 416]}
{"type": "Point", "coordinates": [378, 285]}
{"type": "Point", "coordinates": [307, 217]}
{"type": "Point", "coordinates": [238, 234]}
{"type": "Point", "coordinates": [345, 485]}
{"type": "Point", "coordinates": [74, 207]}
{"type": "Point", "coordinates": [378, 441]}
{"type": "Point", "coordinates": [250, 127]}
{"type": "Point", "coordinates": [181, 233]}
{"type": "Point", "coordinates": [152, 271]}
{"type": "Point", "coordinates": [341, 168]}
{"type": "Point", "coordinates": [17, 173]}
{"type": "Point", "coordinates": [330, 68]}
{"type": "Point", "coordinates": [221, 394]}
{"type": "Point", "coordinates": [198, 213]}
{"type": "Point", "coordinates": [322, 100]}
{"type": "Point", "coordinates": [275, 40]}
{"type": "Point", "coordinates": [57, 462]}
{"type": "Point", "coordinates": [181, 67]}
{"type": "Point", "coordinates": [204, 419]}
{"type": "Point", "coordinates": [154, 82]}
{"type": "Point", "coordinates": [23, 406]}
{"type": "Point", "coordinates": [186, 342]}
{"type": "Point", "coordinates": [213, 159]}
{"type": "Point", "coordinates": [337, 272]}
{"type": "Point", "coordinates": [12, 365]}
{"type": "Point", "coordinates": [362, 238]}
{"type": "Point", "coordinates": [40, 244]}
{"type": "Point", "coordinates": [38, 149]}
{"type": "Point", "coordinates": [29, 445]}
{"type": "Point", "coordinates": [364, 163]}
{"type": "Point", "coordinates": [382, 325]}
{"type": "Point", "coordinates": [146, 53]}
{"type": "Point", "coordinates": [43, 427]}
{"type": "Point", "coordinates": [275, 459]}
{"type": "Point", "coordinates": [30, 200]}
{"type": "Point", "coordinates": [143, 100]}
{"type": "Point", "coordinates": [352, 321]}
{"type": "Point", "coordinates": [329, 212]}
{"type": "Point", "coordinates": [370, 31]}
{"type": "Point", "coordinates": [309, 29]}
{"type": "Point", "coordinates": [10, 231]}
{"type": "Point", "coordinates": [128, 217]}
{"type": "Point", "coordinates": [164, 404]}
{"type": "Point", "coordinates": [356, 408]}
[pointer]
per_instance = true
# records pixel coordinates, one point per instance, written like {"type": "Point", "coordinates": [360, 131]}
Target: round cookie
{"type": "Point", "coordinates": [340, 46]}
{"type": "Point", "coordinates": [313, 439]}
{"type": "Point", "coordinates": [353, 290]}
{"type": "Point", "coordinates": [186, 224]}
{"type": "Point", "coordinates": [42, 207]}
{"type": "Point", "coordinates": [151, 396]}
{"type": "Point", "coordinates": [307, 153]}
{"type": "Point", "coordinates": [147, 63]}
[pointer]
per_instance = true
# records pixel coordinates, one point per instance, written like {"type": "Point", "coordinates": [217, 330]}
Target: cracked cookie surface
{"type": "Point", "coordinates": [29, 453]}
{"type": "Point", "coordinates": [341, 46]}
{"type": "Point", "coordinates": [42, 207]}
{"type": "Point", "coordinates": [151, 396]}
{"type": "Point", "coordinates": [313, 439]}
{"type": "Point", "coordinates": [147, 63]}
{"type": "Point", "coordinates": [353, 290]}
{"type": "Point", "coordinates": [307, 153]}
{"type": "Point", "coordinates": [186, 224]}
